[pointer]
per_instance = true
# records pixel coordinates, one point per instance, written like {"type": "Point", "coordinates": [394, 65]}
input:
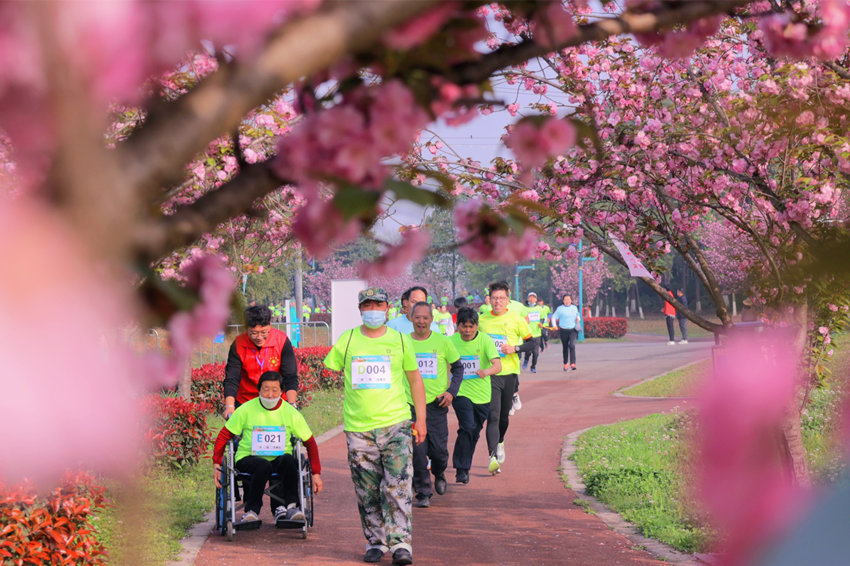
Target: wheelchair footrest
{"type": "Point", "coordinates": [284, 524]}
{"type": "Point", "coordinates": [248, 525]}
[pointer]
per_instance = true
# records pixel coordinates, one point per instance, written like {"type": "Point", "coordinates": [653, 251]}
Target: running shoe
{"type": "Point", "coordinates": [500, 452]}
{"type": "Point", "coordinates": [494, 467]}
{"type": "Point", "coordinates": [294, 514]}
{"type": "Point", "coordinates": [517, 402]}
{"type": "Point", "coordinates": [250, 516]}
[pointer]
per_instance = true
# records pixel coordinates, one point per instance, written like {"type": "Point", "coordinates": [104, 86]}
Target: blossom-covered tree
{"type": "Point", "coordinates": [594, 274]}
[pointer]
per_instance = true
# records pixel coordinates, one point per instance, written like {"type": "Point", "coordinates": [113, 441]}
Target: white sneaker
{"type": "Point", "coordinates": [671, 343]}
{"type": "Point", "coordinates": [494, 467]}
{"type": "Point", "coordinates": [250, 516]}
{"type": "Point", "coordinates": [279, 513]}
{"type": "Point", "coordinates": [517, 403]}
{"type": "Point", "coordinates": [512, 412]}
{"type": "Point", "coordinates": [500, 452]}
{"type": "Point", "coordinates": [683, 341]}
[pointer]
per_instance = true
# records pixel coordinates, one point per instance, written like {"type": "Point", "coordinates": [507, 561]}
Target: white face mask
{"type": "Point", "coordinates": [269, 403]}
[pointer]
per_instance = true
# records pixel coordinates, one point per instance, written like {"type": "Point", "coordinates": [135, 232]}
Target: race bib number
{"type": "Point", "coordinates": [534, 316]}
{"type": "Point", "coordinates": [427, 365]}
{"type": "Point", "coordinates": [370, 372]}
{"type": "Point", "coordinates": [500, 340]}
{"type": "Point", "coordinates": [471, 365]}
{"type": "Point", "coordinates": [444, 322]}
{"type": "Point", "coordinates": [268, 441]}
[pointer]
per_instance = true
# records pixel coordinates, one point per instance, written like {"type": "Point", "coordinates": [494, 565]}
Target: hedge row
{"type": "Point", "coordinates": [605, 327]}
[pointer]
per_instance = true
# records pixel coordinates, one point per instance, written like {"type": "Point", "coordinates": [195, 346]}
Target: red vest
{"type": "Point", "coordinates": [256, 362]}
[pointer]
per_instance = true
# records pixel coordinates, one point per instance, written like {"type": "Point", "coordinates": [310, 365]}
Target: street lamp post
{"type": "Point", "coordinates": [516, 278]}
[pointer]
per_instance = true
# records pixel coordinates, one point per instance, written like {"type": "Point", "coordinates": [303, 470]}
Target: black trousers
{"type": "Point", "coordinates": [503, 387]}
{"type": "Point", "coordinates": [436, 447]}
{"type": "Point", "coordinates": [670, 327]}
{"type": "Point", "coordinates": [568, 344]}
{"type": "Point", "coordinates": [470, 420]}
{"type": "Point", "coordinates": [533, 354]}
{"type": "Point", "coordinates": [261, 470]}
{"type": "Point", "coordinates": [683, 327]}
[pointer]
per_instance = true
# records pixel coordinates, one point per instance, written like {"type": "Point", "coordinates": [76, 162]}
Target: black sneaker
{"type": "Point", "coordinates": [373, 555]}
{"type": "Point", "coordinates": [423, 501]}
{"type": "Point", "coordinates": [402, 557]}
{"type": "Point", "coordinates": [462, 476]}
{"type": "Point", "coordinates": [440, 484]}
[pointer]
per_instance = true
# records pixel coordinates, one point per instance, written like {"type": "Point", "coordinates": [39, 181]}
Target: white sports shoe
{"type": "Point", "coordinates": [683, 341]}
{"type": "Point", "coordinates": [517, 403]}
{"type": "Point", "coordinates": [500, 452]}
{"type": "Point", "coordinates": [671, 343]}
{"type": "Point", "coordinates": [494, 467]}
{"type": "Point", "coordinates": [249, 516]}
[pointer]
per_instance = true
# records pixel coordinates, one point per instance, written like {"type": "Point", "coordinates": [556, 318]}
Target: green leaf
{"type": "Point", "coordinates": [355, 202]}
{"type": "Point", "coordinates": [424, 197]}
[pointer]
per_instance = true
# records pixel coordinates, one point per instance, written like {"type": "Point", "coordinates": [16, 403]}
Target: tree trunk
{"type": "Point", "coordinates": [596, 309]}
{"type": "Point", "coordinates": [637, 296]}
{"type": "Point", "coordinates": [699, 299]}
{"type": "Point", "coordinates": [734, 305]}
{"type": "Point", "coordinates": [613, 311]}
{"type": "Point", "coordinates": [793, 447]}
{"type": "Point", "coordinates": [626, 304]}
{"type": "Point", "coordinates": [184, 387]}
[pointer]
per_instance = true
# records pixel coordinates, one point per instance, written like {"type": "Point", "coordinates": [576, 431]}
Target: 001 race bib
{"type": "Point", "coordinates": [500, 340]}
{"type": "Point", "coordinates": [268, 440]}
{"type": "Point", "coordinates": [427, 365]}
{"type": "Point", "coordinates": [370, 372]}
{"type": "Point", "coordinates": [471, 365]}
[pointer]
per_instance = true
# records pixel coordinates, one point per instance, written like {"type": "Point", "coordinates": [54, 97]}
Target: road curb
{"type": "Point", "coordinates": [619, 392]}
{"type": "Point", "coordinates": [199, 533]}
{"type": "Point", "coordinates": [614, 520]}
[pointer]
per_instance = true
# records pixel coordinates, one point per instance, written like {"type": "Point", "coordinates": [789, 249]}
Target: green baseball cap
{"type": "Point", "coordinates": [372, 294]}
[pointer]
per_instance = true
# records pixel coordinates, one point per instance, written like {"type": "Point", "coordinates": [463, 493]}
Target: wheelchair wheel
{"type": "Point", "coordinates": [307, 490]}
{"type": "Point", "coordinates": [229, 530]}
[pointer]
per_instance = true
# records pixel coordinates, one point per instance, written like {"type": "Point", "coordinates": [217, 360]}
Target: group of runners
{"type": "Point", "coordinates": [400, 377]}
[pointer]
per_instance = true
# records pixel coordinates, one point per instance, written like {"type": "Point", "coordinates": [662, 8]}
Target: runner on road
{"type": "Point", "coordinates": [434, 354]}
{"type": "Point", "coordinates": [534, 316]}
{"type": "Point", "coordinates": [511, 334]}
{"type": "Point", "coordinates": [567, 318]}
{"type": "Point", "coordinates": [378, 431]}
{"type": "Point", "coordinates": [480, 360]}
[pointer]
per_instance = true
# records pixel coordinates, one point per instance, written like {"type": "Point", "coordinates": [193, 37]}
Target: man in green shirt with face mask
{"type": "Point", "coordinates": [377, 362]}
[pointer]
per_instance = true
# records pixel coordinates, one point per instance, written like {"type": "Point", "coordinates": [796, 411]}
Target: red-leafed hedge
{"type": "Point", "coordinates": [207, 380]}
{"type": "Point", "coordinates": [605, 327]}
{"type": "Point", "coordinates": [178, 433]}
{"type": "Point", "coordinates": [50, 529]}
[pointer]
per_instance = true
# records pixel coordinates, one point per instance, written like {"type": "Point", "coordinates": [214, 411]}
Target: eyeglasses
{"type": "Point", "coordinates": [259, 333]}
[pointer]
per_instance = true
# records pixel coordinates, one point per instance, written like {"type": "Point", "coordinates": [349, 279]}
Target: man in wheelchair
{"type": "Point", "coordinates": [266, 425]}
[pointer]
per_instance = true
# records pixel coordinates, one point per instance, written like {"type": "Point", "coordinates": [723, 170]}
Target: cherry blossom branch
{"type": "Point", "coordinates": [234, 198]}
{"type": "Point", "coordinates": [467, 73]}
{"type": "Point", "coordinates": [155, 154]}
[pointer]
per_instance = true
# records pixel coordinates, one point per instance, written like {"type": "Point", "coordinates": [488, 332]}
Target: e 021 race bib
{"type": "Point", "coordinates": [268, 441]}
{"type": "Point", "coordinates": [371, 372]}
{"type": "Point", "coordinates": [427, 365]}
{"type": "Point", "coordinates": [500, 340]}
{"type": "Point", "coordinates": [471, 365]}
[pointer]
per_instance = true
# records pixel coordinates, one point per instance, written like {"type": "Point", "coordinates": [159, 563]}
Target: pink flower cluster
{"type": "Point", "coordinates": [553, 25]}
{"type": "Point", "coordinates": [486, 237]}
{"type": "Point", "coordinates": [394, 260]}
{"type": "Point", "coordinates": [786, 35]}
{"type": "Point", "coordinates": [535, 141]}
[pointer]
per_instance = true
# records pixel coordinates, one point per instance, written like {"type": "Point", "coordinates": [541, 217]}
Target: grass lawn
{"type": "Point", "coordinates": [632, 467]}
{"type": "Point", "coordinates": [657, 326]}
{"type": "Point", "coordinates": [678, 383]}
{"type": "Point", "coordinates": [149, 517]}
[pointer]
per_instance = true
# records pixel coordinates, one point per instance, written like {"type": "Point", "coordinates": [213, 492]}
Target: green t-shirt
{"type": "Point", "coordinates": [433, 356]}
{"type": "Point", "coordinates": [507, 328]}
{"type": "Point", "coordinates": [534, 315]}
{"type": "Point", "coordinates": [285, 422]}
{"type": "Point", "coordinates": [475, 354]}
{"type": "Point", "coordinates": [545, 316]}
{"type": "Point", "coordinates": [517, 307]}
{"type": "Point", "coordinates": [374, 378]}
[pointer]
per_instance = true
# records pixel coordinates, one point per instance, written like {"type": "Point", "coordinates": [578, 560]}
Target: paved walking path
{"type": "Point", "coordinates": [524, 515]}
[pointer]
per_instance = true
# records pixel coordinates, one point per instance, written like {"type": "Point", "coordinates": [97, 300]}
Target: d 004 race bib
{"type": "Point", "coordinates": [371, 372]}
{"type": "Point", "coordinates": [268, 440]}
{"type": "Point", "coordinates": [500, 340]}
{"type": "Point", "coordinates": [471, 365]}
{"type": "Point", "coordinates": [427, 365]}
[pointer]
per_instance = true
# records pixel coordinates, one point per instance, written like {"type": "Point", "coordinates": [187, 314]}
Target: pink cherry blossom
{"type": "Point", "coordinates": [395, 259]}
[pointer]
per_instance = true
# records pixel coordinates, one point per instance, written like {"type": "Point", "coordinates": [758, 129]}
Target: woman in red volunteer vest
{"type": "Point", "coordinates": [260, 349]}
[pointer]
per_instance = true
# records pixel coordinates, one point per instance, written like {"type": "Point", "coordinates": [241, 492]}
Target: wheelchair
{"type": "Point", "coordinates": [229, 494]}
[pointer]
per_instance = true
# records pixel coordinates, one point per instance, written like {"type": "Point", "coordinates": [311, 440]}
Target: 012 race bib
{"type": "Point", "coordinates": [268, 440]}
{"type": "Point", "coordinates": [471, 365]}
{"type": "Point", "coordinates": [500, 340]}
{"type": "Point", "coordinates": [427, 365]}
{"type": "Point", "coordinates": [371, 372]}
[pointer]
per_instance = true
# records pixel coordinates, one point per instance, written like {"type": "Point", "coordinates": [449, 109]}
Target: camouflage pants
{"type": "Point", "coordinates": [382, 469]}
